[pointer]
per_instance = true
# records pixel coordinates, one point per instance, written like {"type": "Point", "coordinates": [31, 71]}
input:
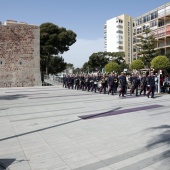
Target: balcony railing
{"type": "Point", "coordinates": [161, 45]}
{"type": "Point", "coordinates": [168, 11]}
{"type": "Point", "coordinates": [119, 31]}
{"type": "Point", "coordinates": [120, 42]}
{"type": "Point", "coordinates": [120, 47]}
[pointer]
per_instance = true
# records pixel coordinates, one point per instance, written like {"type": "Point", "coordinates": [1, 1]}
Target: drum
{"type": "Point", "coordinates": [99, 84]}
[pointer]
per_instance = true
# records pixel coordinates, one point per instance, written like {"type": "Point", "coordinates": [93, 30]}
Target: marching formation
{"type": "Point", "coordinates": [112, 83]}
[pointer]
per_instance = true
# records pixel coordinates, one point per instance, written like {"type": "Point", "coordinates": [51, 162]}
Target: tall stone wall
{"type": "Point", "coordinates": [19, 55]}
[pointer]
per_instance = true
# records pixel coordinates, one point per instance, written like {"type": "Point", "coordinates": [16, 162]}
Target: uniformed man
{"type": "Point", "coordinates": [111, 84]}
{"type": "Point", "coordinates": [122, 82]}
{"type": "Point", "coordinates": [143, 84]}
{"type": "Point", "coordinates": [104, 84]}
{"type": "Point", "coordinates": [151, 84]}
{"type": "Point", "coordinates": [82, 82]}
{"type": "Point", "coordinates": [65, 81]}
{"type": "Point", "coordinates": [116, 81]}
{"type": "Point", "coordinates": [77, 81]}
{"type": "Point", "coordinates": [94, 83]}
{"type": "Point", "coordinates": [135, 84]}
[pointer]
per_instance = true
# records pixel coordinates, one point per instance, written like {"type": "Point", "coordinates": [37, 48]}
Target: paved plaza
{"type": "Point", "coordinates": [53, 128]}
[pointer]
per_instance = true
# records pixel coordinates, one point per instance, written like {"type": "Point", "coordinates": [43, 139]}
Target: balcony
{"type": "Point", "coordinates": [161, 14]}
{"type": "Point", "coordinates": [160, 35]}
{"type": "Point", "coordinates": [119, 42]}
{"type": "Point", "coordinates": [119, 26]}
{"type": "Point", "coordinates": [167, 11]}
{"type": "Point", "coordinates": [168, 43]}
{"type": "Point", "coordinates": [119, 31]}
{"type": "Point", "coordinates": [161, 44]}
{"type": "Point", "coordinates": [120, 47]}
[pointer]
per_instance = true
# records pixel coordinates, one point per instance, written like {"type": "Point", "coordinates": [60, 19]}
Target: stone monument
{"type": "Point", "coordinates": [19, 55]}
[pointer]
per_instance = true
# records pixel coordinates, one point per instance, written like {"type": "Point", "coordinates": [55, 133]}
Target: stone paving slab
{"type": "Point", "coordinates": [48, 128]}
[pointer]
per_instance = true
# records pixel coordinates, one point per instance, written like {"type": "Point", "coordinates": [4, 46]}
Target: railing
{"type": "Point", "coordinates": [161, 45]}
{"type": "Point", "coordinates": [52, 80]}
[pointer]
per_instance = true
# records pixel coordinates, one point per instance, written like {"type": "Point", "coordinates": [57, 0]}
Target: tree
{"type": "Point", "coordinates": [85, 67]}
{"type": "Point", "coordinates": [137, 64]}
{"type": "Point", "coordinates": [147, 47]}
{"type": "Point", "coordinates": [123, 66]}
{"type": "Point", "coordinates": [77, 70]}
{"type": "Point", "coordinates": [97, 61]}
{"type": "Point", "coordinates": [167, 54]}
{"type": "Point", "coordinates": [56, 65]}
{"type": "Point", "coordinates": [54, 40]}
{"type": "Point", "coordinates": [117, 57]}
{"type": "Point", "coordinates": [69, 65]}
{"type": "Point", "coordinates": [112, 66]}
{"type": "Point", "coordinates": [160, 62]}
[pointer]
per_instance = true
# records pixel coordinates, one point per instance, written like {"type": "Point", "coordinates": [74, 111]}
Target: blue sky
{"type": "Point", "coordinates": [85, 17]}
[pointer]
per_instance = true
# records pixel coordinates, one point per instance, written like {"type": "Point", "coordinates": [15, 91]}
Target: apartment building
{"type": "Point", "coordinates": [158, 20]}
{"type": "Point", "coordinates": [118, 35]}
{"type": "Point", "coordinates": [123, 33]}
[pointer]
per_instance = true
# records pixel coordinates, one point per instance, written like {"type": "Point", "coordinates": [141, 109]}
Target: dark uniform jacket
{"type": "Point", "coordinates": [151, 81]}
{"type": "Point", "coordinates": [110, 80]}
{"type": "Point", "coordinates": [143, 81]}
{"type": "Point", "coordinates": [122, 81]}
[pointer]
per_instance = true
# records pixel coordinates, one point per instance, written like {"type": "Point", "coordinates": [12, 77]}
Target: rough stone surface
{"type": "Point", "coordinates": [19, 55]}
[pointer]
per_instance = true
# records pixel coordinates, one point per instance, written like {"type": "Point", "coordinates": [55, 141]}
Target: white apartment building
{"type": "Point", "coordinates": [122, 33]}
{"type": "Point", "coordinates": [118, 36]}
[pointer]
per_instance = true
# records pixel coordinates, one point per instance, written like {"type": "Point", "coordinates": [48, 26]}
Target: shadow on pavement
{"type": "Point", "coordinates": [5, 163]}
{"type": "Point", "coordinates": [50, 127]}
{"type": "Point", "coordinates": [12, 97]}
{"type": "Point", "coordinates": [160, 140]}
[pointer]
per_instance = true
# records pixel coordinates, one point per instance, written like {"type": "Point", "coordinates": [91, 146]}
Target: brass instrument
{"type": "Point", "coordinates": [103, 80]}
{"type": "Point", "coordinates": [115, 80]}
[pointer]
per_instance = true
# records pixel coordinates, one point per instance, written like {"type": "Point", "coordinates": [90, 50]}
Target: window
{"type": "Point", "coordinates": [120, 37]}
{"type": "Point", "coordinates": [1, 62]}
{"type": "Point", "coordinates": [120, 21]}
{"type": "Point", "coordinates": [128, 23]}
{"type": "Point", "coordinates": [119, 31]}
{"type": "Point", "coordinates": [139, 30]}
{"type": "Point", "coordinates": [144, 19]}
{"type": "Point", "coordinates": [134, 32]}
{"type": "Point", "coordinates": [120, 47]}
{"type": "Point", "coordinates": [134, 40]}
{"type": "Point", "coordinates": [154, 15]}
{"type": "Point", "coordinates": [120, 42]}
{"type": "Point", "coordinates": [153, 23]}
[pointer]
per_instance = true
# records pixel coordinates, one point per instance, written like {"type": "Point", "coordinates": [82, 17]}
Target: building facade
{"type": "Point", "coordinates": [123, 33]}
{"type": "Point", "coordinates": [19, 55]}
{"type": "Point", "coordinates": [158, 20]}
{"type": "Point", "coordinates": [118, 35]}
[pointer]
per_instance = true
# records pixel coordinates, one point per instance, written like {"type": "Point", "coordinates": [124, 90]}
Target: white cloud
{"type": "Point", "coordinates": [80, 51]}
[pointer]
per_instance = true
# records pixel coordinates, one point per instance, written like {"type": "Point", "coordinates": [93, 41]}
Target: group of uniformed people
{"type": "Point", "coordinates": [109, 83]}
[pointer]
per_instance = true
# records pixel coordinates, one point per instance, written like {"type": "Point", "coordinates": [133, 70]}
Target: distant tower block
{"type": "Point", "coordinates": [19, 55]}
